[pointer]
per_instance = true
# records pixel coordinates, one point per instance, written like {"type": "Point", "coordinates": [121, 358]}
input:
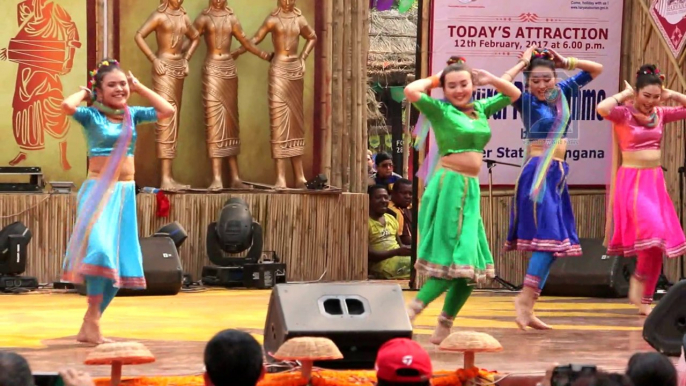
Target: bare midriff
{"type": "Point", "coordinates": [97, 164]}
{"type": "Point", "coordinates": [467, 163]}
{"type": "Point", "coordinates": [641, 159]}
{"type": "Point", "coordinates": [537, 148]}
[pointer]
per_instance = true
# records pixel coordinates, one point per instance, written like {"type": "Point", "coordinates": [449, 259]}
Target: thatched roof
{"type": "Point", "coordinates": [375, 119]}
{"type": "Point", "coordinates": [392, 46]}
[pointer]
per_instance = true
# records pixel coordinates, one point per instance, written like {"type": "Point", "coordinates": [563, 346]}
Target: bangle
{"type": "Point", "coordinates": [571, 63]}
{"type": "Point", "coordinates": [616, 100]}
{"type": "Point", "coordinates": [526, 62]}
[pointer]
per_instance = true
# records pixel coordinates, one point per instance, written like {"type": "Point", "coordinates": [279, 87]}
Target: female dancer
{"type": "Point", "coordinates": [541, 219]}
{"type": "Point", "coordinates": [453, 247]}
{"type": "Point", "coordinates": [104, 248]}
{"type": "Point", "coordinates": [641, 219]}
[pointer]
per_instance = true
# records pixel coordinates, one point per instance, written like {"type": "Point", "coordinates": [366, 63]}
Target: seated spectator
{"type": "Point", "coordinates": [14, 370]}
{"type": "Point", "coordinates": [388, 259]}
{"type": "Point", "coordinates": [384, 172]}
{"type": "Point", "coordinates": [403, 362]}
{"type": "Point", "coordinates": [233, 358]}
{"type": "Point", "coordinates": [651, 369]}
{"type": "Point", "coordinates": [401, 208]}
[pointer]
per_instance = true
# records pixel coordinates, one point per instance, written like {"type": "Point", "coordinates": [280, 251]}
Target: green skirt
{"type": "Point", "coordinates": [452, 238]}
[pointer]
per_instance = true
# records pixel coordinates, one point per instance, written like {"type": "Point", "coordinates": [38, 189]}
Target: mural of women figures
{"type": "Point", "coordinates": [286, 25]}
{"type": "Point", "coordinates": [219, 24]}
{"type": "Point", "coordinates": [170, 67]}
{"type": "Point", "coordinates": [44, 49]}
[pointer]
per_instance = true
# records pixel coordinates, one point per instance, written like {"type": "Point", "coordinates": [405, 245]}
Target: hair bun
{"type": "Point", "coordinates": [649, 69]}
{"type": "Point", "coordinates": [542, 54]}
{"type": "Point", "coordinates": [456, 60]}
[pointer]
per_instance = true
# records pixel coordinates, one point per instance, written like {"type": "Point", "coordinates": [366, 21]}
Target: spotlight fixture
{"type": "Point", "coordinates": [14, 240]}
{"type": "Point", "coordinates": [237, 232]}
{"type": "Point", "coordinates": [175, 232]}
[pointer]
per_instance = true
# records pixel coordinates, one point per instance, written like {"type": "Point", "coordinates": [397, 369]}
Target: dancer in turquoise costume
{"type": "Point", "coordinates": [453, 250]}
{"type": "Point", "coordinates": [541, 219]}
{"type": "Point", "coordinates": [104, 250]}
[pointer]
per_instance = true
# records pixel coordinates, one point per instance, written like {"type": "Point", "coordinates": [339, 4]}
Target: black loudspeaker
{"type": "Point", "coordinates": [665, 327]}
{"type": "Point", "coordinates": [358, 318]}
{"type": "Point", "coordinates": [593, 274]}
{"type": "Point", "coordinates": [161, 266]}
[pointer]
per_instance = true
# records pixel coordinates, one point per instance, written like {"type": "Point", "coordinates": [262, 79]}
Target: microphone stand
{"type": "Point", "coordinates": [490, 164]}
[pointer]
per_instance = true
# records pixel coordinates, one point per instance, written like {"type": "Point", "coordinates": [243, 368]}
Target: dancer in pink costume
{"type": "Point", "coordinates": [641, 219]}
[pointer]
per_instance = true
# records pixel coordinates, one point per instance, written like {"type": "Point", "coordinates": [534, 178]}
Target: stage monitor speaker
{"type": "Point", "coordinates": [358, 318]}
{"type": "Point", "coordinates": [593, 274]}
{"type": "Point", "coordinates": [161, 267]}
{"type": "Point", "coordinates": [665, 327]}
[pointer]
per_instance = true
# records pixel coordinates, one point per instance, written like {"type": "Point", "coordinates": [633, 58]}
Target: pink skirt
{"type": "Point", "coordinates": [644, 215]}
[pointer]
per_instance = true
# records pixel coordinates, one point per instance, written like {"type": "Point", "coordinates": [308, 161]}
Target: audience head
{"type": "Point", "coordinates": [384, 165]}
{"type": "Point", "coordinates": [651, 369]}
{"type": "Point", "coordinates": [401, 195]}
{"type": "Point", "coordinates": [14, 370]}
{"type": "Point", "coordinates": [378, 199]}
{"type": "Point", "coordinates": [233, 358]}
{"type": "Point", "coordinates": [404, 362]}
{"type": "Point", "coordinates": [457, 82]}
{"type": "Point", "coordinates": [648, 88]}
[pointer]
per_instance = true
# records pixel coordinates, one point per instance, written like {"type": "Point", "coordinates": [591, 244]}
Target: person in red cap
{"type": "Point", "coordinates": [402, 361]}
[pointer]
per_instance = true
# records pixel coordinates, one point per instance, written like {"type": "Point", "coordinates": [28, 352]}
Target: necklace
{"type": "Point", "coordinates": [218, 32]}
{"type": "Point", "coordinates": [176, 32]}
{"type": "Point", "coordinates": [108, 110]}
{"type": "Point", "coordinates": [286, 30]}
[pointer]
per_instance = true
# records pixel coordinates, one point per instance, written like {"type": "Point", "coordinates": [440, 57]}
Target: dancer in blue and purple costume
{"type": "Point", "coordinates": [104, 250]}
{"type": "Point", "coordinates": [541, 219]}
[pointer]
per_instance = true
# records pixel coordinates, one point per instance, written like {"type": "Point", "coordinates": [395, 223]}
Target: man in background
{"type": "Point", "coordinates": [388, 259]}
{"type": "Point", "coordinates": [384, 172]}
{"type": "Point", "coordinates": [401, 208]}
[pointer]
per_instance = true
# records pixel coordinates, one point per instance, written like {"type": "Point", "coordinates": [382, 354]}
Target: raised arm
{"type": "Point", "coordinates": [70, 103]}
{"type": "Point", "coordinates": [164, 109]}
{"type": "Point", "coordinates": [524, 60]}
{"type": "Point", "coordinates": [414, 90]}
{"type": "Point", "coordinates": [504, 87]}
{"type": "Point", "coordinates": [593, 68]}
{"type": "Point", "coordinates": [194, 36]}
{"type": "Point", "coordinates": [605, 107]}
{"type": "Point", "coordinates": [673, 95]}
{"type": "Point", "coordinates": [246, 43]}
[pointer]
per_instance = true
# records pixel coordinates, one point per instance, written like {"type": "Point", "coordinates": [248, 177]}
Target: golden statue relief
{"type": "Point", "coordinates": [219, 24]}
{"type": "Point", "coordinates": [286, 80]}
{"type": "Point", "coordinates": [170, 67]}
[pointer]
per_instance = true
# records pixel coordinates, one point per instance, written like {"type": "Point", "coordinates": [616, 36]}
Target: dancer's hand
{"type": "Point", "coordinates": [133, 82]}
{"type": "Point", "coordinates": [526, 55]}
{"type": "Point", "coordinates": [482, 77]}
{"type": "Point", "coordinates": [559, 60]}
{"type": "Point", "coordinates": [3, 54]}
{"type": "Point", "coordinates": [160, 67]}
{"type": "Point", "coordinates": [628, 90]}
{"type": "Point", "coordinates": [72, 377]}
{"type": "Point", "coordinates": [666, 94]}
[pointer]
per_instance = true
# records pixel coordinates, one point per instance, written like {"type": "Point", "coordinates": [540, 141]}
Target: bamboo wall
{"type": "Point", "coordinates": [313, 234]}
{"type": "Point", "coordinates": [344, 88]}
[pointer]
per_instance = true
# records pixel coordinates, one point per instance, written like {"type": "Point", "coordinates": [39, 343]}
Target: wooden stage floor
{"type": "Point", "coordinates": [42, 326]}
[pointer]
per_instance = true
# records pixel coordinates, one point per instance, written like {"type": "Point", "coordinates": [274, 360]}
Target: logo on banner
{"type": "Point", "coordinates": [669, 17]}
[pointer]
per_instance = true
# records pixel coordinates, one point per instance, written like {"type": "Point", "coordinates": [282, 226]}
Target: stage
{"type": "Point", "coordinates": [42, 326]}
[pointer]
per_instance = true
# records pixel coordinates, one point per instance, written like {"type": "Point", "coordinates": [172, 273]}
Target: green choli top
{"type": "Point", "coordinates": [455, 131]}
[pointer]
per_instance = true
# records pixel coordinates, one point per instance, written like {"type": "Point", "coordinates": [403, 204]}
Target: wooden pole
{"type": "Point", "coordinates": [326, 89]}
{"type": "Point", "coordinates": [337, 93]}
{"type": "Point", "coordinates": [347, 94]}
{"type": "Point", "coordinates": [356, 112]}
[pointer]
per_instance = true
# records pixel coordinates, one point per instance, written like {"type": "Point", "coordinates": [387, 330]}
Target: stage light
{"type": "Point", "coordinates": [236, 232]}
{"type": "Point", "coordinates": [175, 232]}
{"type": "Point", "coordinates": [14, 240]}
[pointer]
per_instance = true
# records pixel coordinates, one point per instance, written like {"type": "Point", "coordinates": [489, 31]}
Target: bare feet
{"type": "Point", "coordinates": [301, 184]}
{"type": "Point", "coordinates": [524, 310]}
{"type": "Point", "coordinates": [440, 333]}
{"type": "Point", "coordinates": [90, 333]}
{"type": "Point", "coordinates": [635, 291]}
{"type": "Point", "coordinates": [280, 183]}
{"type": "Point", "coordinates": [216, 185]}
{"type": "Point", "coordinates": [414, 308]}
{"type": "Point", "coordinates": [644, 309]}
{"type": "Point", "coordinates": [538, 324]}
{"type": "Point", "coordinates": [170, 185]}
{"type": "Point", "coordinates": [21, 157]}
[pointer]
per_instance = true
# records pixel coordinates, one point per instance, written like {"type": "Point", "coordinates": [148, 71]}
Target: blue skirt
{"type": "Point", "coordinates": [547, 226]}
{"type": "Point", "coordinates": [113, 250]}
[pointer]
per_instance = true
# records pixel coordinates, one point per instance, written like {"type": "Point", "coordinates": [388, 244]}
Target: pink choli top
{"type": "Point", "coordinates": [633, 136]}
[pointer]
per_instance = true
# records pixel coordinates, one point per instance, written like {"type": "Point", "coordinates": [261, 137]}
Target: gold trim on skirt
{"type": "Point", "coordinates": [286, 108]}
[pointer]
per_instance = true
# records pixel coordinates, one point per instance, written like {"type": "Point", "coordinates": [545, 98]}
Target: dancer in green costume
{"type": "Point", "coordinates": [453, 250]}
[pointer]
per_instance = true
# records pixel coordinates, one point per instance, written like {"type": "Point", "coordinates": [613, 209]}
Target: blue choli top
{"type": "Point", "coordinates": [101, 134]}
{"type": "Point", "coordinates": [538, 116]}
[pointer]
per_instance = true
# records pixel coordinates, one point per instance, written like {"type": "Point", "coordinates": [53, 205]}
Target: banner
{"type": "Point", "coordinates": [491, 34]}
{"type": "Point", "coordinates": [670, 18]}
